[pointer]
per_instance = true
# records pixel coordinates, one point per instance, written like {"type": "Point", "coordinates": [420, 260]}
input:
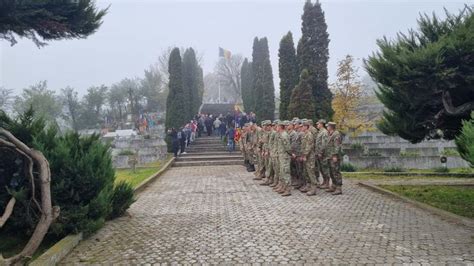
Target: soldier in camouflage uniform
{"type": "Point", "coordinates": [284, 158]}
{"type": "Point", "coordinates": [333, 155]}
{"type": "Point", "coordinates": [258, 148]}
{"type": "Point", "coordinates": [295, 143]}
{"type": "Point", "coordinates": [250, 146]}
{"type": "Point", "coordinates": [274, 167]}
{"type": "Point", "coordinates": [242, 144]}
{"type": "Point", "coordinates": [308, 159]}
{"type": "Point", "coordinates": [320, 146]}
{"type": "Point", "coordinates": [266, 152]}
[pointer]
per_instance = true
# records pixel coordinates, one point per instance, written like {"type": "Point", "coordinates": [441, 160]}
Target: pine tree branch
{"type": "Point", "coordinates": [455, 111]}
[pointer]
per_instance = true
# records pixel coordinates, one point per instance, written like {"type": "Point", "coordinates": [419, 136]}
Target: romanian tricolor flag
{"type": "Point", "coordinates": [224, 53]}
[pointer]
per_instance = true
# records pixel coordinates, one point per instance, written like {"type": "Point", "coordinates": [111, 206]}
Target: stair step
{"type": "Point", "coordinates": [207, 163]}
{"type": "Point", "coordinates": [210, 158]}
{"type": "Point", "coordinates": [205, 149]}
{"type": "Point", "coordinates": [209, 153]}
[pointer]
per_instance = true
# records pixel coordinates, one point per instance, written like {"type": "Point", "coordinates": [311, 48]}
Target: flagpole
{"type": "Point", "coordinates": [219, 86]}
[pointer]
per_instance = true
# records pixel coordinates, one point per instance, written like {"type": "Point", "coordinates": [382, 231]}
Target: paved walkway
{"type": "Point", "coordinates": [218, 215]}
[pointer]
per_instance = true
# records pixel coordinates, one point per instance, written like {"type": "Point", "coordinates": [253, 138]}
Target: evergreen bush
{"type": "Point", "coordinates": [122, 198]}
{"type": "Point", "coordinates": [465, 140]}
{"type": "Point", "coordinates": [82, 178]}
{"type": "Point", "coordinates": [347, 167]}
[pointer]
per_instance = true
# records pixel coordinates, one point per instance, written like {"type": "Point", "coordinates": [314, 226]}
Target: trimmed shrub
{"type": "Point", "coordinates": [441, 170]}
{"type": "Point", "coordinates": [347, 167]}
{"type": "Point", "coordinates": [82, 178]}
{"type": "Point", "coordinates": [465, 141]}
{"type": "Point", "coordinates": [393, 169]}
{"type": "Point", "coordinates": [122, 198]}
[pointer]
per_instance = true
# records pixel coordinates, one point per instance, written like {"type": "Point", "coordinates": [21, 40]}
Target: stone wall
{"type": "Point", "coordinates": [150, 149]}
{"type": "Point", "coordinates": [376, 150]}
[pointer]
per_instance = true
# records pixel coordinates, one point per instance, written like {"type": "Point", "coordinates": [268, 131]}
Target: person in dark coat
{"type": "Point", "coordinates": [173, 134]}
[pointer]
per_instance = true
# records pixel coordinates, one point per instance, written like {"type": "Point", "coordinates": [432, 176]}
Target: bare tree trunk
{"type": "Point", "coordinates": [48, 212]}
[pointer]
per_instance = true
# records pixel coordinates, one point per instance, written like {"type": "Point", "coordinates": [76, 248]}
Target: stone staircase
{"type": "Point", "coordinates": [208, 151]}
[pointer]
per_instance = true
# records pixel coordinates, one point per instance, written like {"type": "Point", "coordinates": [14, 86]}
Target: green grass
{"type": "Point", "coordinates": [140, 174]}
{"type": "Point", "coordinates": [455, 199]}
{"type": "Point", "coordinates": [451, 170]}
{"type": "Point", "coordinates": [392, 177]}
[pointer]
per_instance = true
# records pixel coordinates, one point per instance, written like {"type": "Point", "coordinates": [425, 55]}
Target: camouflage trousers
{"type": "Point", "coordinates": [322, 169]}
{"type": "Point", "coordinates": [260, 164]}
{"type": "Point", "coordinates": [335, 172]}
{"type": "Point", "coordinates": [251, 157]}
{"type": "Point", "coordinates": [285, 171]}
{"type": "Point", "coordinates": [267, 163]}
{"type": "Point", "coordinates": [309, 169]}
{"type": "Point", "coordinates": [273, 169]}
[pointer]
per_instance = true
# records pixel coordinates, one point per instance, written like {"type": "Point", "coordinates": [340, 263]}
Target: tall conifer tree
{"type": "Point", "coordinates": [302, 102]}
{"type": "Point", "coordinates": [191, 72]}
{"type": "Point", "coordinates": [246, 76]}
{"type": "Point", "coordinates": [288, 66]}
{"type": "Point", "coordinates": [313, 55]}
{"type": "Point", "coordinates": [263, 87]}
{"type": "Point", "coordinates": [175, 109]}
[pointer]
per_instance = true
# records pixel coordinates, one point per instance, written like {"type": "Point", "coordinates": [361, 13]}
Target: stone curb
{"type": "Point", "coordinates": [444, 214]}
{"type": "Point", "coordinates": [411, 174]}
{"type": "Point", "coordinates": [57, 252]}
{"type": "Point", "coordinates": [138, 189]}
{"type": "Point", "coordinates": [60, 250]}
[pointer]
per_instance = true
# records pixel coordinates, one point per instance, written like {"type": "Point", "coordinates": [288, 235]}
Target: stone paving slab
{"type": "Point", "coordinates": [218, 215]}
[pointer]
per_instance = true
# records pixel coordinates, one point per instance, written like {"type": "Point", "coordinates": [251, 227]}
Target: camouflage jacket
{"type": "Point", "coordinates": [295, 142]}
{"type": "Point", "coordinates": [334, 146]}
{"type": "Point", "coordinates": [272, 143]}
{"type": "Point", "coordinates": [307, 144]}
{"type": "Point", "coordinates": [284, 147]}
{"type": "Point", "coordinates": [321, 141]}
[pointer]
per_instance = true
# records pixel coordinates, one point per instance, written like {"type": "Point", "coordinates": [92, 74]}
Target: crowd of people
{"type": "Point", "coordinates": [227, 127]}
{"type": "Point", "coordinates": [287, 154]}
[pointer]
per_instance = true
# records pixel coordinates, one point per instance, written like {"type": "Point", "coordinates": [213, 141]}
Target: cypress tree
{"type": "Point", "coordinates": [302, 102]}
{"type": "Point", "coordinates": [191, 72]}
{"type": "Point", "coordinates": [313, 55]}
{"type": "Point", "coordinates": [263, 87]}
{"type": "Point", "coordinates": [246, 77]}
{"type": "Point", "coordinates": [175, 109]}
{"type": "Point", "coordinates": [288, 66]}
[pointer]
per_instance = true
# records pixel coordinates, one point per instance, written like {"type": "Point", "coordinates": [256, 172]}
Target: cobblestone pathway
{"type": "Point", "coordinates": [218, 215]}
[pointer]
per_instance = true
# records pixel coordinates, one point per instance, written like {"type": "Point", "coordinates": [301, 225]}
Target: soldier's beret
{"type": "Point", "coordinates": [275, 122]}
{"type": "Point", "coordinates": [331, 124]}
{"type": "Point", "coordinates": [310, 121]}
{"type": "Point", "coordinates": [322, 121]}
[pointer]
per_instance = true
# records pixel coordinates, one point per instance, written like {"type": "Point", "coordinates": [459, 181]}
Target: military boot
{"type": "Point", "coordinates": [281, 189]}
{"type": "Point", "coordinates": [274, 183]}
{"type": "Point", "coordinates": [277, 187]}
{"type": "Point", "coordinates": [287, 191]}
{"type": "Point", "coordinates": [268, 182]}
{"type": "Point", "coordinates": [251, 168]}
{"type": "Point", "coordinates": [305, 188]}
{"type": "Point", "coordinates": [312, 191]}
{"type": "Point", "coordinates": [338, 191]}
{"type": "Point", "coordinates": [257, 178]}
{"type": "Point", "coordinates": [331, 189]}
{"type": "Point", "coordinates": [324, 185]}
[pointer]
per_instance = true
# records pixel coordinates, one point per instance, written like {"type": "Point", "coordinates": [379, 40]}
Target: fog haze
{"type": "Point", "coordinates": [135, 32]}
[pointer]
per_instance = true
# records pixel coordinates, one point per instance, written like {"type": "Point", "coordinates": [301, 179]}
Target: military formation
{"type": "Point", "coordinates": [295, 154]}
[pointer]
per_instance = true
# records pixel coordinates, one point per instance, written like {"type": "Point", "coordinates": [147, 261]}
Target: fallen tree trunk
{"type": "Point", "coordinates": [48, 212]}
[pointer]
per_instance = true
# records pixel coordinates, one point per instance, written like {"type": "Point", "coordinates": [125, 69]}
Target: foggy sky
{"type": "Point", "coordinates": [135, 32]}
